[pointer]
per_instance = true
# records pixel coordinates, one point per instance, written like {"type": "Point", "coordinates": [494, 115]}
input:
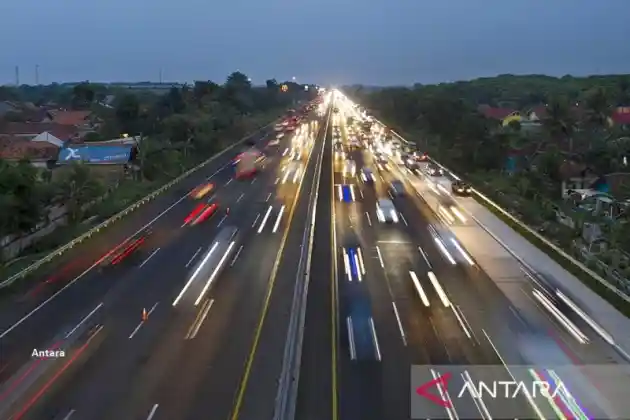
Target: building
{"type": "Point", "coordinates": [41, 154]}
{"type": "Point", "coordinates": [31, 130]}
{"type": "Point", "coordinates": [504, 116]}
{"type": "Point", "coordinates": [621, 117]}
{"type": "Point", "coordinates": [7, 107]}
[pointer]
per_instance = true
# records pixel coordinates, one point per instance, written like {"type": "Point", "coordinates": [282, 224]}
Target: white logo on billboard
{"type": "Point", "coordinates": [72, 154]}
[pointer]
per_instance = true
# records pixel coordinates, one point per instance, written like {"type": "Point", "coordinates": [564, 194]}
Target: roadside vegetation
{"type": "Point", "coordinates": [175, 130]}
{"type": "Point", "coordinates": [568, 129]}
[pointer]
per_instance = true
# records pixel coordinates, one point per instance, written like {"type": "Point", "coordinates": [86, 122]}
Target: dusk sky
{"type": "Point", "coordinates": [373, 42]}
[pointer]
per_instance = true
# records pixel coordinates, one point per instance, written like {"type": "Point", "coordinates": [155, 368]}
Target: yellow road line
{"type": "Point", "coordinates": [333, 291]}
{"type": "Point", "coordinates": [272, 280]}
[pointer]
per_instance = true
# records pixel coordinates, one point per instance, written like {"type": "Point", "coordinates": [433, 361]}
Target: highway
{"type": "Point", "coordinates": [130, 350]}
{"type": "Point", "coordinates": [406, 298]}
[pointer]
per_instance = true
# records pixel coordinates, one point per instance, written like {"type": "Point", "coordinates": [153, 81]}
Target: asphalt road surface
{"type": "Point", "coordinates": [382, 325]}
{"type": "Point", "coordinates": [188, 359]}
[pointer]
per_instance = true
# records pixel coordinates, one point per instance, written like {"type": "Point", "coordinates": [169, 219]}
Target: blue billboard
{"type": "Point", "coordinates": [108, 155]}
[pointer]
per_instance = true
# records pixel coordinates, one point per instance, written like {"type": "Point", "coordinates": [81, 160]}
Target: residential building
{"type": "Point", "coordinates": [8, 107]}
{"type": "Point", "coordinates": [31, 130]}
{"type": "Point", "coordinates": [503, 115]}
{"type": "Point", "coordinates": [621, 117]}
{"type": "Point", "coordinates": [40, 153]}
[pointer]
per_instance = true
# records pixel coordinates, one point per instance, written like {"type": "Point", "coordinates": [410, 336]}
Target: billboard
{"type": "Point", "coordinates": [103, 155]}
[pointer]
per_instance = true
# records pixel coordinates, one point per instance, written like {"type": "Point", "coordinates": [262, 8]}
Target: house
{"type": "Point", "coordinates": [621, 117]}
{"type": "Point", "coordinates": [7, 107]}
{"type": "Point", "coordinates": [537, 113]}
{"type": "Point", "coordinates": [503, 115]}
{"type": "Point", "coordinates": [31, 130]}
{"type": "Point", "coordinates": [83, 120]}
{"type": "Point", "coordinates": [576, 178]}
{"type": "Point", "coordinates": [41, 154]}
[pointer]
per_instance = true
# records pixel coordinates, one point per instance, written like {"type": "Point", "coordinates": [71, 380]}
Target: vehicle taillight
{"type": "Point", "coordinates": [197, 210]}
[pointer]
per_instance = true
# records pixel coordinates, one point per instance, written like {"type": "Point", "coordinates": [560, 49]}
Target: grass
{"type": "Point", "coordinates": [611, 297]}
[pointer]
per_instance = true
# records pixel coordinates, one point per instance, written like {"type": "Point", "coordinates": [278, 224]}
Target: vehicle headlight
{"type": "Point", "coordinates": [394, 216]}
{"type": "Point", "coordinates": [380, 215]}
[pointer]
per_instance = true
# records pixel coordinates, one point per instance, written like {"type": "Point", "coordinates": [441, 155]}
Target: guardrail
{"type": "Point", "coordinates": [286, 397]}
{"type": "Point", "coordinates": [538, 236]}
{"type": "Point", "coordinates": [59, 251]}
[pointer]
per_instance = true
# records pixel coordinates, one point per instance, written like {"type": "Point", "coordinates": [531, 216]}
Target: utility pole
{"type": "Point", "coordinates": [17, 75]}
{"type": "Point", "coordinates": [36, 74]}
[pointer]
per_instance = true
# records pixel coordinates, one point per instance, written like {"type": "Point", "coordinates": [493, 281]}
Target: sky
{"type": "Point", "coordinates": [330, 42]}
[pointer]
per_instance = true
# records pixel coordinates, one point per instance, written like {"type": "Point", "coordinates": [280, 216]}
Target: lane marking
{"type": "Point", "coordinates": [264, 220]}
{"type": "Point", "coordinates": [143, 322]}
{"type": "Point", "coordinates": [278, 219]}
{"type": "Point", "coordinates": [334, 280]}
{"type": "Point", "coordinates": [426, 258]}
{"type": "Point", "coordinates": [256, 219]}
{"type": "Point", "coordinates": [380, 257]}
{"type": "Point", "coordinates": [353, 351]}
{"type": "Point", "coordinates": [222, 220]}
{"type": "Point", "coordinates": [215, 273]}
{"type": "Point", "coordinates": [240, 197]}
{"type": "Point", "coordinates": [201, 317]}
{"type": "Point", "coordinates": [70, 413]}
{"type": "Point", "coordinates": [403, 219]}
{"type": "Point", "coordinates": [229, 182]}
{"type": "Point", "coordinates": [419, 289]}
{"type": "Point", "coordinates": [84, 319]}
{"type": "Point", "coordinates": [195, 273]}
{"type": "Point", "coordinates": [376, 347]}
{"type": "Point", "coordinates": [44, 303]}
{"type": "Point", "coordinates": [150, 256]}
{"type": "Point", "coordinates": [152, 412]}
{"type": "Point", "coordinates": [400, 326]}
{"type": "Point", "coordinates": [368, 218]}
{"type": "Point", "coordinates": [193, 257]}
{"type": "Point", "coordinates": [268, 197]}
{"type": "Point", "coordinates": [265, 309]}
{"type": "Point", "coordinates": [236, 256]}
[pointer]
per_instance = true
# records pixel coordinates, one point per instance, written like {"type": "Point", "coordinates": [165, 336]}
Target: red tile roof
{"type": "Point", "coordinates": [495, 113]}
{"type": "Point", "coordinates": [15, 148]}
{"type": "Point", "coordinates": [62, 132]}
{"type": "Point", "coordinates": [621, 118]}
{"type": "Point", "coordinates": [70, 117]}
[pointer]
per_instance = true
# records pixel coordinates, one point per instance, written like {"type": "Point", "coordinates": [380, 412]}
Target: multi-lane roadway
{"type": "Point", "coordinates": [132, 349]}
{"type": "Point", "coordinates": [382, 297]}
{"type": "Point", "coordinates": [385, 297]}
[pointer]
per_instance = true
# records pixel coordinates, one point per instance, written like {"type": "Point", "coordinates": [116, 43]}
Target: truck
{"type": "Point", "coordinates": [249, 163]}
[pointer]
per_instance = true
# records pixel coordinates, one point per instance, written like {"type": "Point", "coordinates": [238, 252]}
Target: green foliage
{"type": "Point", "coordinates": [177, 130]}
{"type": "Point", "coordinates": [445, 121]}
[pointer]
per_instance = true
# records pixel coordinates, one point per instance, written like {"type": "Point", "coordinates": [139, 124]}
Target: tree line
{"type": "Point", "coordinates": [445, 121]}
{"type": "Point", "coordinates": [177, 130]}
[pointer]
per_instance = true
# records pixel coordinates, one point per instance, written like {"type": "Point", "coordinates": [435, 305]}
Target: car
{"type": "Point", "coordinates": [200, 213]}
{"type": "Point", "coordinates": [397, 188]}
{"type": "Point", "coordinates": [461, 188]}
{"type": "Point", "coordinates": [411, 164]}
{"type": "Point", "coordinates": [367, 176]}
{"type": "Point", "coordinates": [124, 250]}
{"type": "Point", "coordinates": [340, 153]}
{"type": "Point", "coordinates": [386, 211]}
{"type": "Point", "coordinates": [201, 191]}
{"type": "Point", "coordinates": [422, 157]}
{"type": "Point", "coordinates": [350, 168]}
{"type": "Point", "coordinates": [434, 170]}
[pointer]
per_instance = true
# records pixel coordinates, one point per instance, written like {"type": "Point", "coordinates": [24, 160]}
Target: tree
{"type": "Point", "coordinates": [77, 189]}
{"type": "Point", "coordinates": [128, 113]}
